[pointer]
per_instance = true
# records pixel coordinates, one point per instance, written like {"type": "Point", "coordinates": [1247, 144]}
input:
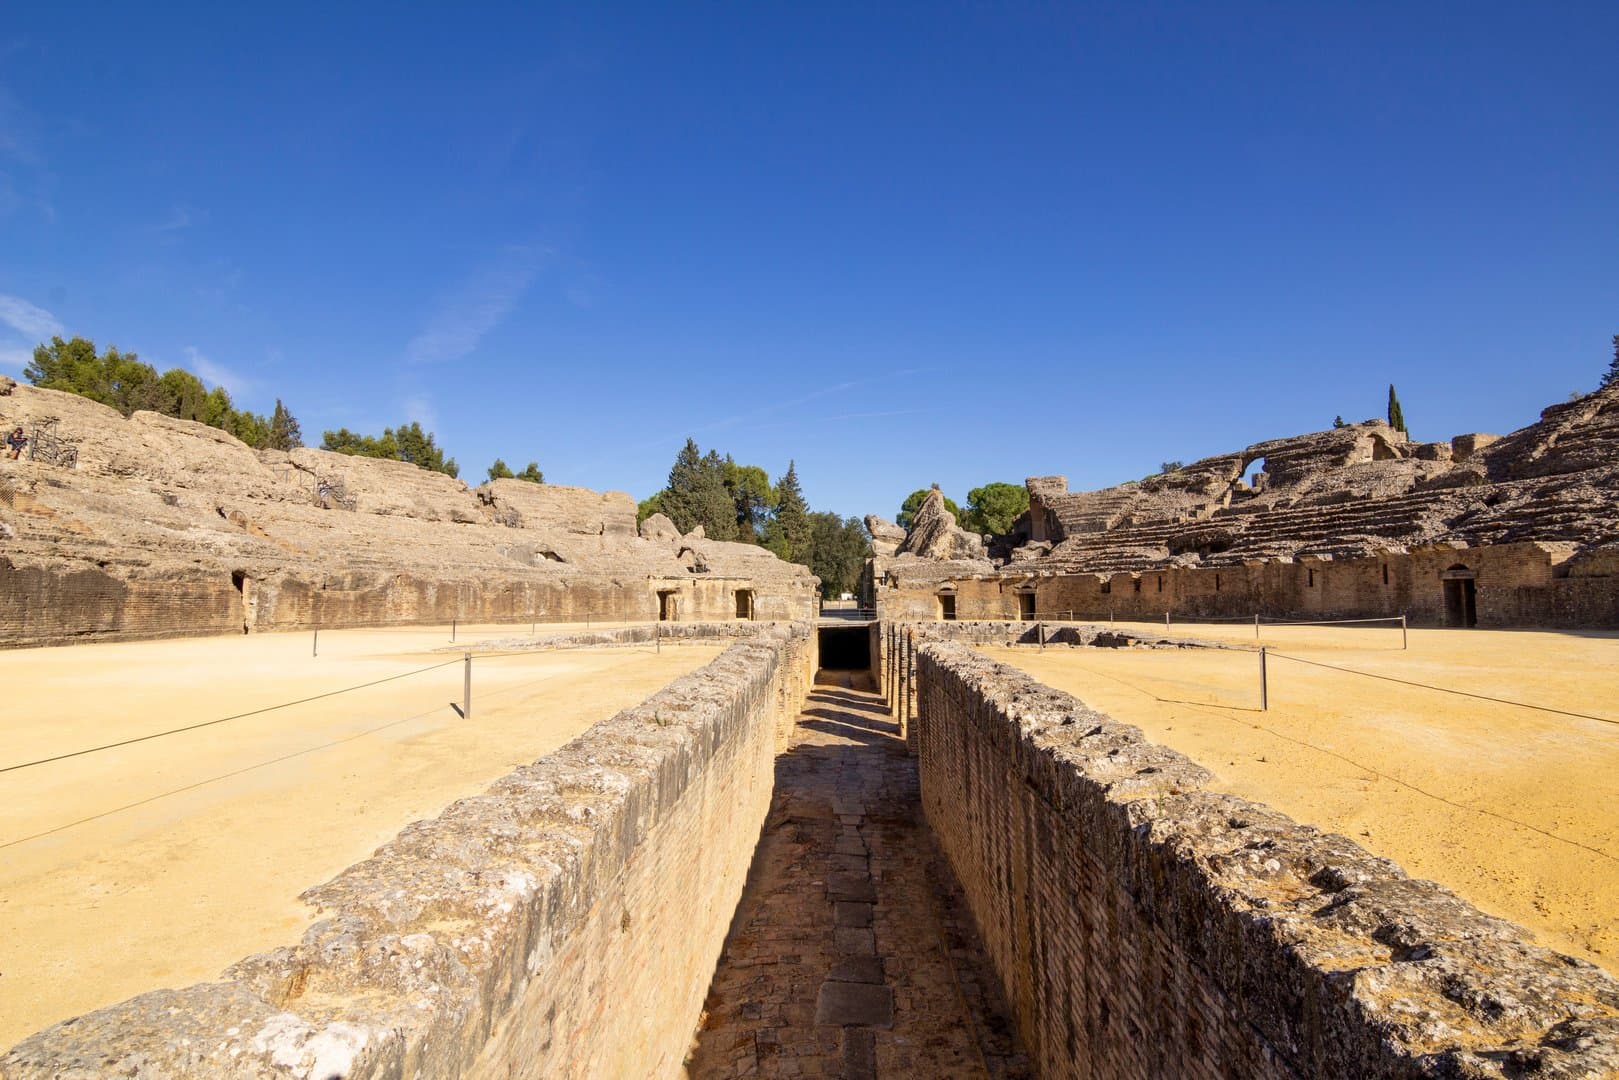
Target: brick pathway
{"type": "Point", "coordinates": [851, 953]}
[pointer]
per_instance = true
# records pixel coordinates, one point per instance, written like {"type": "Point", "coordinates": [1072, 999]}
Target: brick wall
{"type": "Point", "coordinates": [565, 923]}
{"type": "Point", "coordinates": [1143, 927]}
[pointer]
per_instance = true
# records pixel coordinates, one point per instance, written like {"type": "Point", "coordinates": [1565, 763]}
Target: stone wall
{"type": "Point", "coordinates": [1144, 927]}
{"type": "Point", "coordinates": [565, 923]}
{"type": "Point", "coordinates": [1525, 584]}
{"type": "Point", "coordinates": [47, 605]}
{"type": "Point", "coordinates": [168, 527]}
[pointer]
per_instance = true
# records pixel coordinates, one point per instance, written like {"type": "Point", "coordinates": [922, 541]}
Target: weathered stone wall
{"type": "Point", "coordinates": [1144, 927]}
{"type": "Point", "coordinates": [43, 605]}
{"type": "Point", "coordinates": [564, 923]}
{"type": "Point", "coordinates": [1524, 584]}
{"type": "Point", "coordinates": [169, 527]}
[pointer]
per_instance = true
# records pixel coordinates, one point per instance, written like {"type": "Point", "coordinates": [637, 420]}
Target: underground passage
{"type": "Point", "coordinates": [845, 648]}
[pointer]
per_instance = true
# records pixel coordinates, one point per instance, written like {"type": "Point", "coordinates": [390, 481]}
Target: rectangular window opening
{"type": "Point", "coordinates": [744, 603]}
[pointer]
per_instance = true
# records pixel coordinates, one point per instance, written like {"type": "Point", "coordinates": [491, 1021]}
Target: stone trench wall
{"type": "Point", "coordinates": [1144, 927]}
{"type": "Point", "coordinates": [565, 923]}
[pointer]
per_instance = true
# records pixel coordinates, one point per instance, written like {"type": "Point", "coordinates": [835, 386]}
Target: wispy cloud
{"type": "Point", "coordinates": [180, 218]}
{"type": "Point", "coordinates": [14, 357]}
{"type": "Point", "coordinates": [29, 320]}
{"type": "Point", "coordinates": [419, 407]}
{"type": "Point", "coordinates": [16, 140]}
{"type": "Point", "coordinates": [473, 309]}
{"type": "Point", "coordinates": [218, 374]}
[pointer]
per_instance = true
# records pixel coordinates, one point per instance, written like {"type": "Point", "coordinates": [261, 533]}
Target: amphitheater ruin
{"type": "Point", "coordinates": [323, 766]}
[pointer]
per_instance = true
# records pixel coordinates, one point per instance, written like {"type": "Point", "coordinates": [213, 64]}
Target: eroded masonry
{"type": "Point", "coordinates": [1483, 530]}
{"type": "Point", "coordinates": [853, 846]}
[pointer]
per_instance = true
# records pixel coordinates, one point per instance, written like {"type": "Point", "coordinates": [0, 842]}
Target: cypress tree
{"type": "Point", "coordinates": [792, 524]}
{"type": "Point", "coordinates": [284, 431]}
{"type": "Point", "coordinates": [1611, 376]}
{"type": "Point", "coordinates": [1396, 417]}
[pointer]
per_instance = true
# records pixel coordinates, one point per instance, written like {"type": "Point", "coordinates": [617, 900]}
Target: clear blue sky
{"type": "Point", "coordinates": [901, 244]}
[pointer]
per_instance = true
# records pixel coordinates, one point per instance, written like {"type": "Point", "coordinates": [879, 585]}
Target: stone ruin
{"type": "Point", "coordinates": [1521, 529]}
{"type": "Point", "coordinates": [167, 526]}
{"type": "Point", "coordinates": [567, 920]}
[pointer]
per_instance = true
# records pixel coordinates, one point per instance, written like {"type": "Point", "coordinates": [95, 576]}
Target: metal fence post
{"type": "Point", "coordinates": [1264, 683]}
{"type": "Point", "coordinates": [1166, 618]}
{"type": "Point", "coordinates": [1404, 641]}
{"type": "Point", "coordinates": [452, 629]}
{"type": "Point", "coordinates": [466, 689]}
{"type": "Point", "coordinates": [314, 648]}
{"type": "Point", "coordinates": [1256, 626]}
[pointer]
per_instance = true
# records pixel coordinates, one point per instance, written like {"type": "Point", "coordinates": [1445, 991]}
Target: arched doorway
{"type": "Point", "coordinates": [1461, 596]}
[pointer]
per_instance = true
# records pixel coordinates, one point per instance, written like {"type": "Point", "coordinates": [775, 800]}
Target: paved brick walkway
{"type": "Point", "coordinates": [851, 954]}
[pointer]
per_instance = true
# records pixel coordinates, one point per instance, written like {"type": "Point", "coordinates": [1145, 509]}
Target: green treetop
{"type": "Point", "coordinates": [994, 507]}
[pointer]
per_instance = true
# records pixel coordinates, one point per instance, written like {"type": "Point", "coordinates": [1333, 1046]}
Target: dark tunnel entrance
{"type": "Point", "coordinates": [845, 648]}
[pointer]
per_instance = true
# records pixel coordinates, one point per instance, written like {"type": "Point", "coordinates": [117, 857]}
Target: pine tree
{"type": "Point", "coordinates": [792, 524]}
{"type": "Point", "coordinates": [531, 473]}
{"type": "Point", "coordinates": [1338, 421]}
{"type": "Point", "coordinates": [1396, 417]}
{"type": "Point", "coordinates": [696, 494]}
{"type": "Point", "coordinates": [500, 470]}
{"type": "Point", "coordinates": [284, 431]}
{"type": "Point", "coordinates": [1611, 376]}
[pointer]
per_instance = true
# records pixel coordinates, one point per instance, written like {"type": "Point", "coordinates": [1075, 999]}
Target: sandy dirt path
{"type": "Point", "coordinates": [170, 891]}
{"type": "Point", "coordinates": [1516, 810]}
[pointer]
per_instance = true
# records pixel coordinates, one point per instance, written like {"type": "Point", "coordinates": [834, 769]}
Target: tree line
{"type": "Point", "coordinates": [126, 383]}
{"type": "Point", "coordinates": [738, 502]}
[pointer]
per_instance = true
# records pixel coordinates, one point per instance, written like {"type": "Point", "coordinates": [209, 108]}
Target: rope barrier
{"type": "Point", "coordinates": [1216, 710]}
{"type": "Point", "coordinates": [1448, 690]}
{"type": "Point", "coordinates": [222, 719]}
{"type": "Point", "coordinates": [1266, 620]}
{"type": "Point", "coordinates": [212, 780]}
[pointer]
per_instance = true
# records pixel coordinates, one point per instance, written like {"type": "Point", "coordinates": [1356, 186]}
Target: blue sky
{"type": "Point", "coordinates": [901, 244]}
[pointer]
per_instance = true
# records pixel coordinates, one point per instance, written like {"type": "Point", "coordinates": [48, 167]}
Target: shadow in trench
{"type": "Point", "coordinates": [851, 952]}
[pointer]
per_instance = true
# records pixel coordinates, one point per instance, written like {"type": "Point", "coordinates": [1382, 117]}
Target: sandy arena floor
{"type": "Point", "coordinates": [204, 848]}
{"type": "Point", "coordinates": [1516, 810]}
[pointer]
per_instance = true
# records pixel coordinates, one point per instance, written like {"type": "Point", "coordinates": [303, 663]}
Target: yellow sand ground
{"type": "Point", "coordinates": [168, 889]}
{"type": "Point", "coordinates": [1516, 810]}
